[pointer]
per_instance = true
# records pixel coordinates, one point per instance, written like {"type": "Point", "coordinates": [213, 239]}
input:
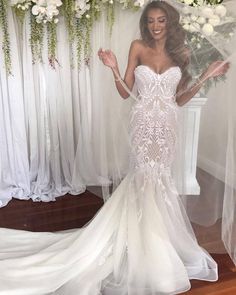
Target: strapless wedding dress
{"type": "Point", "coordinates": [140, 242]}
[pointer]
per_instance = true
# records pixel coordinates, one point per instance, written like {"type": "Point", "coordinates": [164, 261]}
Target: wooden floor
{"type": "Point", "coordinates": [65, 213]}
{"type": "Point", "coordinates": [226, 285]}
{"type": "Point", "coordinates": [75, 211]}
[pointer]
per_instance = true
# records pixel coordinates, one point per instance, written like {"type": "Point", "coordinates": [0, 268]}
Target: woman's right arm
{"type": "Point", "coordinates": [109, 59]}
{"type": "Point", "coordinates": [215, 69]}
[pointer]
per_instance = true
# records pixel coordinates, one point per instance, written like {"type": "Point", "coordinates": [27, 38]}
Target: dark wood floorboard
{"type": "Point", "coordinates": [65, 213]}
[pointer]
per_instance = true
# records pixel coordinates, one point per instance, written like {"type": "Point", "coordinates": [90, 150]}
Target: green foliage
{"type": "Point", "coordinates": [110, 16]}
{"type": "Point", "coordinates": [36, 39]}
{"type": "Point", "coordinates": [69, 14]}
{"type": "Point", "coordinates": [211, 2]}
{"type": "Point", "coordinates": [6, 37]}
{"type": "Point", "coordinates": [79, 27]}
{"type": "Point", "coordinates": [52, 42]}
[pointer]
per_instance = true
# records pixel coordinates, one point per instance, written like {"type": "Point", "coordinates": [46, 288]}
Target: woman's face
{"type": "Point", "coordinates": [157, 23]}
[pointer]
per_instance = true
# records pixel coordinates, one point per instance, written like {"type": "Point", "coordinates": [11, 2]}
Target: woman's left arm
{"type": "Point", "coordinates": [184, 94]}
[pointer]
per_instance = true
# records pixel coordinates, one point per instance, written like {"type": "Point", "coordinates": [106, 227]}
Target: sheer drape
{"type": "Point", "coordinates": [62, 130]}
{"type": "Point", "coordinates": [53, 137]}
{"type": "Point", "coordinates": [15, 179]}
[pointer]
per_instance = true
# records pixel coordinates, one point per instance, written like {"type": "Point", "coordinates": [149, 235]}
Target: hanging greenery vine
{"type": "Point", "coordinates": [6, 37]}
{"type": "Point", "coordinates": [52, 43]}
{"type": "Point", "coordinates": [36, 39]}
{"type": "Point", "coordinates": [69, 14]}
{"type": "Point", "coordinates": [110, 15]}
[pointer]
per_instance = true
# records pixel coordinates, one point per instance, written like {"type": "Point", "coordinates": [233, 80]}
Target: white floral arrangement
{"type": "Point", "coordinates": [82, 7]}
{"type": "Point", "coordinates": [46, 10]}
{"type": "Point", "coordinates": [140, 3]}
{"type": "Point", "coordinates": [210, 19]}
{"type": "Point", "coordinates": [203, 17]}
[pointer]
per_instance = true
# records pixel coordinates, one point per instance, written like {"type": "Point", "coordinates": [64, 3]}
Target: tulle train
{"type": "Point", "coordinates": [139, 243]}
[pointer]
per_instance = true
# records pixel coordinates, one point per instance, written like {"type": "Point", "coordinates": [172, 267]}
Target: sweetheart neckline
{"type": "Point", "coordinates": [158, 74]}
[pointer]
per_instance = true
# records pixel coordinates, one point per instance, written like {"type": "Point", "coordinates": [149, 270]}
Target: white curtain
{"type": "Point", "coordinates": [51, 120]}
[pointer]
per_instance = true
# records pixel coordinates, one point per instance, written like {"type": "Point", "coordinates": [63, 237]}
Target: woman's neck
{"type": "Point", "coordinates": [159, 46]}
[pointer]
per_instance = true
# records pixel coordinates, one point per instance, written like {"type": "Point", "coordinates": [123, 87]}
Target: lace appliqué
{"type": "Point", "coordinates": [153, 124]}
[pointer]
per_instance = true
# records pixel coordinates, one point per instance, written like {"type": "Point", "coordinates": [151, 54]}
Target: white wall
{"type": "Point", "coordinates": [214, 129]}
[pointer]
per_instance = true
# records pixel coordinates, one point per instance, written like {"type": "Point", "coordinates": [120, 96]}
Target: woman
{"type": "Point", "coordinates": [140, 242]}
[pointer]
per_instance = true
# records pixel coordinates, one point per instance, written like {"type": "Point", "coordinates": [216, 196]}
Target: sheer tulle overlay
{"type": "Point", "coordinates": [141, 241]}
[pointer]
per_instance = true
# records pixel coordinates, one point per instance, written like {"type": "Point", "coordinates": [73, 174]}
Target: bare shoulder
{"type": "Point", "coordinates": [137, 45]}
{"type": "Point", "coordinates": [135, 53]}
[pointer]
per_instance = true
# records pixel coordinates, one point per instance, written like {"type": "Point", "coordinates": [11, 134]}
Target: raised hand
{"type": "Point", "coordinates": [108, 58]}
{"type": "Point", "coordinates": [217, 68]}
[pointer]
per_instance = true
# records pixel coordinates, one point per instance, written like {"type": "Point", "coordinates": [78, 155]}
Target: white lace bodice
{"type": "Point", "coordinates": [153, 124]}
{"type": "Point", "coordinates": [151, 84]}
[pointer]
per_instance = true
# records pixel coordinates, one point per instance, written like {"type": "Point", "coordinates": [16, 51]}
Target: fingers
{"type": "Point", "coordinates": [223, 63]}
{"type": "Point", "coordinates": [100, 53]}
{"type": "Point", "coordinates": [221, 67]}
{"type": "Point", "coordinates": [107, 57]}
{"type": "Point", "coordinates": [103, 53]}
{"type": "Point", "coordinates": [225, 68]}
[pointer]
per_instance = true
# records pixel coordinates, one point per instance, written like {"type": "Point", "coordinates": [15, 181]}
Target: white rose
{"type": "Point", "coordinates": [186, 27]}
{"type": "Point", "coordinates": [188, 2]}
{"type": "Point", "coordinates": [207, 12]}
{"type": "Point", "coordinates": [199, 46]}
{"type": "Point", "coordinates": [49, 14]}
{"type": "Point", "coordinates": [56, 20]}
{"type": "Point", "coordinates": [193, 17]}
{"type": "Point", "coordinates": [42, 10]}
{"type": "Point", "coordinates": [139, 3]}
{"type": "Point", "coordinates": [207, 29]}
{"type": "Point", "coordinates": [78, 15]}
{"type": "Point", "coordinates": [56, 12]}
{"type": "Point", "coordinates": [220, 10]}
{"type": "Point", "coordinates": [191, 28]}
{"type": "Point", "coordinates": [35, 10]}
{"type": "Point", "coordinates": [194, 28]}
{"type": "Point", "coordinates": [201, 20]}
{"type": "Point", "coordinates": [214, 20]}
{"type": "Point", "coordinates": [200, 2]}
{"type": "Point", "coordinates": [52, 10]}
{"type": "Point", "coordinates": [80, 4]}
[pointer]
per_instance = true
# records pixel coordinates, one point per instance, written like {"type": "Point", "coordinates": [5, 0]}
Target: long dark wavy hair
{"type": "Point", "coordinates": [175, 42]}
